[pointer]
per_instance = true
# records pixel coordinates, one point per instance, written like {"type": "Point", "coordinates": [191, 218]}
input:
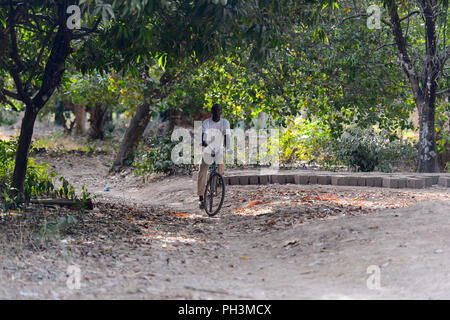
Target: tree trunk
{"type": "Point", "coordinates": [80, 119]}
{"type": "Point", "coordinates": [138, 123]}
{"type": "Point", "coordinates": [423, 86]}
{"type": "Point", "coordinates": [23, 148]}
{"type": "Point", "coordinates": [427, 139]}
{"type": "Point", "coordinates": [97, 121]}
{"type": "Point", "coordinates": [54, 69]}
{"type": "Point", "coordinates": [132, 136]}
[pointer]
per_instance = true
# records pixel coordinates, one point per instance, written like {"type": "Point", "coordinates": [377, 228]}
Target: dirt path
{"type": "Point", "coordinates": [279, 242]}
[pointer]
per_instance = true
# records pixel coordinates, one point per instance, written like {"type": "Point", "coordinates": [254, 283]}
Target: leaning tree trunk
{"type": "Point", "coordinates": [23, 148]}
{"type": "Point", "coordinates": [132, 136]}
{"type": "Point", "coordinates": [138, 123]}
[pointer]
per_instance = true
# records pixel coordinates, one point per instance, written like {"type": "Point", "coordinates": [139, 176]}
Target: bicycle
{"type": "Point", "coordinates": [215, 188]}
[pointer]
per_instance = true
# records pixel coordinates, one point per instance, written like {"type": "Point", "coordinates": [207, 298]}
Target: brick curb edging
{"type": "Point", "coordinates": [404, 181]}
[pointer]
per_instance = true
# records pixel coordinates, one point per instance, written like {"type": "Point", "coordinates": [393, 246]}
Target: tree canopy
{"type": "Point", "coordinates": [284, 57]}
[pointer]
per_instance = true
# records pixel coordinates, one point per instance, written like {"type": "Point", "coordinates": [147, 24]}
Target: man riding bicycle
{"type": "Point", "coordinates": [217, 128]}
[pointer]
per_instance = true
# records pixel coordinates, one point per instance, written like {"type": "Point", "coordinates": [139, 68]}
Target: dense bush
{"type": "Point", "coordinates": [155, 157]}
{"type": "Point", "coordinates": [39, 180]}
{"type": "Point", "coordinates": [305, 140]}
{"type": "Point", "coordinates": [365, 150]}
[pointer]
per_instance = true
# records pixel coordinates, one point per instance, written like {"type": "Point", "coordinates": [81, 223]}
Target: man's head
{"type": "Point", "coordinates": [216, 111]}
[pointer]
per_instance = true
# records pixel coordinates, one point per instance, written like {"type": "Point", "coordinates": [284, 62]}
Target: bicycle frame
{"type": "Point", "coordinates": [213, 186]}
{"type": "Point", "coordinates": [213, 168]}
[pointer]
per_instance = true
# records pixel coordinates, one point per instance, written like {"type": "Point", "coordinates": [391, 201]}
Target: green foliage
{"type": "Point", "coordinates": [365, 150]}
{"type": "Point", "coordinates": [358, 150]}
{"type": "Point", "coordinates": [337, 73]}
{"type": "Point", "coordinates": [66, 190]}
{"type": "Point", "coordinates": [156, 158]}
{"type": "Point", "coordinates": [443, 127]}
{"type": "Point", "coordinates": [447, 166]}
{"type": "Point", "coordinates": [398, 155]}
{"type": "Point", "coordinates": [85, 195]}
{"type": "Point", "coordinates": [39, 180]}
{"type": "Point", "coordinates": [222, 80]}
{"type": "Point", "coordinates": [334, 81]}
{"type": "Point", "coordinates": [347, 79]}
{"type": "Point", "coordinates": [173, 30]}
{"type": "Point", "coordinates": [117, 92]}
{"type": "Point", "coordinates": [305, 141]}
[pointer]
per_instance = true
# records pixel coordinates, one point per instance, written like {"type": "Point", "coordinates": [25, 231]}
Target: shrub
{"type": "Point", "coordinates": [39, 180]}
{"type": "Point", "coordinates": [357, 150]}
{"type": "Point", "coordinates": [365, 150]}
{"type": "Point", "coordinates": [305, 140]}
{"type": "Point", "coordinates": [156, 157]}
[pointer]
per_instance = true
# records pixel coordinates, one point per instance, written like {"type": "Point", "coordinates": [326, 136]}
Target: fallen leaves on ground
{"type": "Point", "coordinates": [116, 235]}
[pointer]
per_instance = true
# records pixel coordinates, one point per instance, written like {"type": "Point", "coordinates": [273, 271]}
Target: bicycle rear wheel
{"type": "Point", "coordinates": [214, 194]}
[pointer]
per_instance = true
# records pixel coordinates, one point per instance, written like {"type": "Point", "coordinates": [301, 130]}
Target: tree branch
{"type": "Point", "coordinates": [10, 94]}
{"type": "Point", "coordinates": [408, 66]}
{"type": "Point", "coordinates": [15, 71]}
{"type": "Point", "coordinates": [409, 15]}
{"type": "Point", "coordinates": [36, 64]}
{"type": "Point", "coordinates": [438, 93]}
{"type": "Point", "coordinates": [7, 101]}
{"type": "Point", "coordinates": [54, 68]}
{"type": "Point", "coordinates": [88, 30]}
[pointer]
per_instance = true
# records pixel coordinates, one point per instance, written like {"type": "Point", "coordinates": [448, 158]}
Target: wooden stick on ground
{"type": "Point", "coordinates": [65, 202]}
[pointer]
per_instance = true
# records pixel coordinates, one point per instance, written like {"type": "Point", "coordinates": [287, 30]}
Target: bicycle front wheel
{"type": "Point", "coordinates": [214, 194]}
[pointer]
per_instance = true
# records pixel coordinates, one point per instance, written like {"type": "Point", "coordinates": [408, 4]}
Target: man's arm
{"type": "Point", "coordinates": [204, 144]}
{"type": "Point", "coordinates": [227, 141]}
{"type": "Point", "coordinates": [227, 135]}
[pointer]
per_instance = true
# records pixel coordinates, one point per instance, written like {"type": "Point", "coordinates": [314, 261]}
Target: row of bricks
{"type": "Point", "coordinates": [365, 181]}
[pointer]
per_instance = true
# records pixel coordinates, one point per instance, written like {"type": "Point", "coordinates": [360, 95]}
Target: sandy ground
{"type": "Point", "coordinates": [150, 241]}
